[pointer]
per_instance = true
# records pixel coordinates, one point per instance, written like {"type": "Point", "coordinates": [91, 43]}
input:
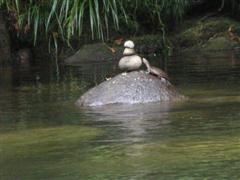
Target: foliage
{"type": "Point", "coordinates": [63, 19]}
{"type": "Point", "coordinates": [157, 15]}
{"type": "Point", "coordinates": [232, 5]}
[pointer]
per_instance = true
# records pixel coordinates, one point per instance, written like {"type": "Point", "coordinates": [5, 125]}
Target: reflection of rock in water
{"type": "Point", "coordinates": [131, 122]}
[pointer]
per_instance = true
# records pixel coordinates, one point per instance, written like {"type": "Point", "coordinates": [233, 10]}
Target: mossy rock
{"type": "Point", "coordinates": [149, 44]}
{"type": "Point", "coordinates": [93, 52]}
{"type": "Point", "coordinates": [208, 34]}
{"type": "Point", "coordinates": [218, 43]}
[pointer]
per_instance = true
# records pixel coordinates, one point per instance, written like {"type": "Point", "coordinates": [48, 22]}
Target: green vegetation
{"type": "Point", "coordinates": [62, 20]}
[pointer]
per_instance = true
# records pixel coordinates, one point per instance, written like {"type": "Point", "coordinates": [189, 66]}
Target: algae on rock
{"type": "Point", "coordinates": [205, 34]}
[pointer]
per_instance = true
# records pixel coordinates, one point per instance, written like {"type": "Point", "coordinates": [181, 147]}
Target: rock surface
{"type": "Point", "coordinates": [130, 88]}
{"type": "Point", "coordinates": [92, 52]}
{"type": "Point", "coordinates": [208, 34]}
{"type": "Point", "coordinates": [147, 44]}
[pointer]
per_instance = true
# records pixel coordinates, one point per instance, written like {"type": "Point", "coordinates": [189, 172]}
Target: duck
{"type": "Point", "coordinates": [155, 70]}
{"type": "Point", "coordinates": [131, 61]}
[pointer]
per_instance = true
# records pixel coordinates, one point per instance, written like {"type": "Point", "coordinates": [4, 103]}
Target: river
{"type": "Point", "coordinates": [43, 135]}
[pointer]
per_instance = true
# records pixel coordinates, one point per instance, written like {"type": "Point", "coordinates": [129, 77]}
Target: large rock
{"type": "Point", "coordinates": [133, 87]}
{"type": "Point", "coordinates": [218, 43]}
{"type": "Point", "coordinates": [5, 52]}
{"type": "Point", "coordinates": [147, 44]}
{"type": "Point", "coordinates": [208, 34]}
{"type": "Point", "coordinates": [93, 52]}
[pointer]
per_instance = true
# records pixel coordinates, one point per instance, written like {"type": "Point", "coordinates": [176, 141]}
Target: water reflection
{"type": "Point", "coordinates": [135, 121]}
{"type": "Point", "coordinates": [44, 136]}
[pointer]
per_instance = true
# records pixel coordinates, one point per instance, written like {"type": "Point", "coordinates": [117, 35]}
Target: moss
{"type": "Point", "coordinates": [217, 43]}
{"type": "Point", "coordinates": [200, 33]}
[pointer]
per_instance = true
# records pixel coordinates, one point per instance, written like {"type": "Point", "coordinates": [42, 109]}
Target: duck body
{"type": "Point", "coordinates": [158, 72]}
{"type": "Point", "coordinates": [154, 70]}
{"type": "Point", "coordinates": [130, 62]}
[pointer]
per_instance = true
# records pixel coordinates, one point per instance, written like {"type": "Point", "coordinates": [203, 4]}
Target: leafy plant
{"type": "Point", "coordinates": [63, 19]}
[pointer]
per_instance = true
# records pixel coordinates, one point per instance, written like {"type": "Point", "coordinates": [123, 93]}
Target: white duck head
{"type": "Point", "coordinates": [129, 44]}
{"type": "Point", "coordinates": [129, 48]}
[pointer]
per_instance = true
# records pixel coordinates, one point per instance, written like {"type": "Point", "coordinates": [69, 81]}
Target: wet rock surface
{"type": "Point", "coordinates": [130, 88]}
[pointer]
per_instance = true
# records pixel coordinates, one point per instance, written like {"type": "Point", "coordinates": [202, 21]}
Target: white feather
{"type": "Point", "coordinates": [128, 51]}
{"type": "Point", "coordinates": [129, 44]}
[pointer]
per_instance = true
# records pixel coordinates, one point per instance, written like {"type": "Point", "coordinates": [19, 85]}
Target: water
{"type": "Point", "coordinates": [43, 135]}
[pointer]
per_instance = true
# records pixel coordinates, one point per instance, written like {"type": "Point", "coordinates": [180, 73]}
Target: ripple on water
{"type": "Point", "coordinates": [44, 136]}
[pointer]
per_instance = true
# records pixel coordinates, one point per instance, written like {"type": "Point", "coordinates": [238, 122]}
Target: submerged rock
{"type": "Point", "coordinates": [130, 88]}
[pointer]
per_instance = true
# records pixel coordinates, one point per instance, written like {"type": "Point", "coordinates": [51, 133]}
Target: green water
{"type": "Point", "coordinates": [43, 135]}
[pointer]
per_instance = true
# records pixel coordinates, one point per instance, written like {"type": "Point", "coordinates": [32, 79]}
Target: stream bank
{"type": "Point", "coordinates": [198, 34]}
